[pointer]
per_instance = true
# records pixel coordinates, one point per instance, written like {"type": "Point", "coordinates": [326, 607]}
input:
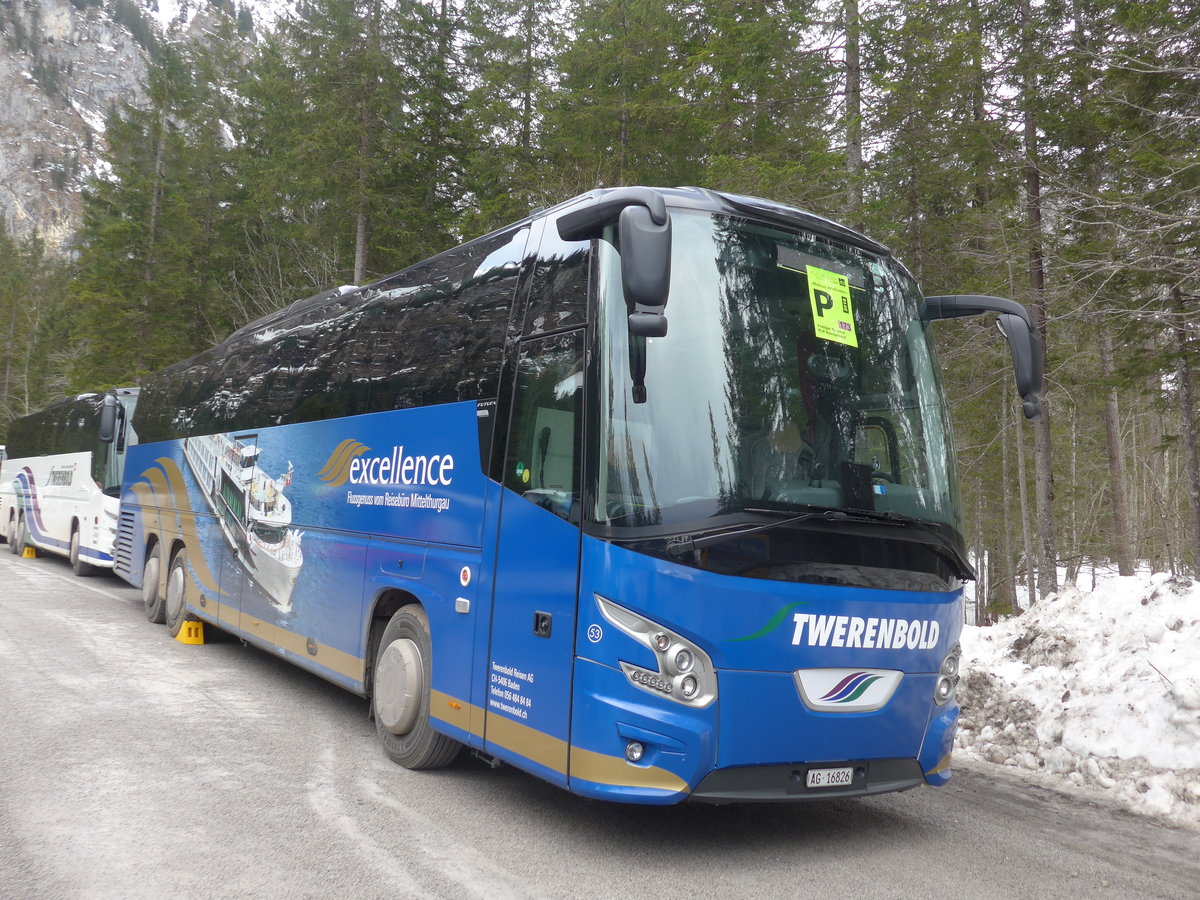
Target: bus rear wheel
{"type": "Point", "coordinates": [152, 598]}
{"type": "Point", "coordinates": [400, 694]}
{"type": "Point", "coordinates": [79, 566]}
{"type": "Point", "coordinates": [175, 603]}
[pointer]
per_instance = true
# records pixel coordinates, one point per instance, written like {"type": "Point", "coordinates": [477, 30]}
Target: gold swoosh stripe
{"type": "Point", "coordinates": [335, 458]}
{"type": "Point", "coordinates": [942, 766]}
{"type": "Point", "coordinates": [331, 658]}
{"type": "Point", "coordinates": [187, 524]}
{"type": "Point", "coordinates": [554, 753]}
{"type": "Point", "coordinates": [338, 475]}
{"type": "Point", "coordinates": [535, 745]}
{"type": "Point", "coordinates": [601, 768]}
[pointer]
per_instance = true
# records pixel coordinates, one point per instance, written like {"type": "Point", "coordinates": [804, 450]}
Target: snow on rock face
{"type": "Point", "coordinates": [1099, 689]}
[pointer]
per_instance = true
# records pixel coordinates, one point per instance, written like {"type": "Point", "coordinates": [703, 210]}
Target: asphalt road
{"type": "Point", "coordinates": [132, 765]}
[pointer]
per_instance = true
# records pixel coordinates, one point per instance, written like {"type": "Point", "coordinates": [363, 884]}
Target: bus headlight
{"type": "Point", "coordinates": [947, 683]}
{"type": "Point", "coordinates": [684, 673]}
{"type": "Point", "coordinates": [683, 660]}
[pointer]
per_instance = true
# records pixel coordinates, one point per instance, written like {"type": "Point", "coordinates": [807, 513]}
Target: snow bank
{"type": "Point", "coordinates": [1101, 690]}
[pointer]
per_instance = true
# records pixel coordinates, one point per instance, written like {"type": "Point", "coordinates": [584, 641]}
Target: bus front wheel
{"type": "Point", "coordinates": [152, 598]}
{"type": "Point", "coordinates": [12, 535]}
{"type": "Point", "coordinates": [22, 537]}
{"type": "Point", "coordinates": [79, 566]}
{"type": "Point", "coordinates": [400, 694]}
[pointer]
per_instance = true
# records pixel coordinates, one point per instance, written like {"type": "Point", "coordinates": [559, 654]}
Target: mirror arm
{"type": "Point", "coordinates": [953, 306]}
{"type": "Point", "coordinates": [588, 222]}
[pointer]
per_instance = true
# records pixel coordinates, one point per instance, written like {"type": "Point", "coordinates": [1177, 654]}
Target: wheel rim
{"type": "Point", "coordinates": [175, 592]}
{"type": "Point", "coordinates": [75, 548]}
{"type": "Point", "coordinates": [399, 685]}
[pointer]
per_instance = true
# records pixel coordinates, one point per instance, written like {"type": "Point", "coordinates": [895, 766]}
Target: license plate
{"type": "Point", "coordinates": [824, 778]}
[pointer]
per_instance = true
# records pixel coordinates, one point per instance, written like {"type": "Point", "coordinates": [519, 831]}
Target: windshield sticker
{"type": "Point", "coordinates": [833, 311]}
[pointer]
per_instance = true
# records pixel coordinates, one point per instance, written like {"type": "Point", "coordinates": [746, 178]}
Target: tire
{"type": "Point", "coordinates": [400, 694]}
{"type": "Point", "coordinates": [152, 598]}
{"type": "Point", "coordinates": [174, 603]}
{"type": "Point", "coordinates": [79, 566]}
{"type": "Point", "coordinates": [22, 541]}
{"type": "Point", "coordinates": [12, 536]}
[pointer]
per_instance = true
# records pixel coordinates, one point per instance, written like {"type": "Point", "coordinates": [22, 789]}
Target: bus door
{"type": "Point", "coordinates": [535, 587]}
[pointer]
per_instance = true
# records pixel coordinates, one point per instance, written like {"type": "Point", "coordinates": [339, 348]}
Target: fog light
{"type": "Point", "coordinates": [683, 661]}
{"type": "Point", "coordinates": [688, 687]}
{"type": "Point", "coordinates": [634, 751]}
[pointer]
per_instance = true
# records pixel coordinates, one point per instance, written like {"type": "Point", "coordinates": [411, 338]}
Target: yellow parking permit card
{"type": "Point", "coordinates": [833, 311]}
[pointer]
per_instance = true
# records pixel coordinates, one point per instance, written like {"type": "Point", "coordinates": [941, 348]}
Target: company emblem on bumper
{"type": "Point", "coordinates": [846, 690]}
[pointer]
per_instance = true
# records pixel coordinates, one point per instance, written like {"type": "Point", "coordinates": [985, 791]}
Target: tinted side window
{"type": "Point", "coordinates": [431, 334]}
{"type": "Point", "coordinates": [67, 427]}
{"type": "Point", "coordinates": [442, 339]}
{"type": "Point", "coordinates": [545, 439]}
{"type": "Point", "coordinates": [559, 290]}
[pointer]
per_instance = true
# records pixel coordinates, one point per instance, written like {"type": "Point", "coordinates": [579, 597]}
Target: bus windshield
{"type": "Point", "coordinates": [796, 375]}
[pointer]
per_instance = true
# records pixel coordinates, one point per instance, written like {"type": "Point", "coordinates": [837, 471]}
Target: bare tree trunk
{"type": "Point", "coordinates": [983, 586]}
{"type": "Point", "coordinates": [1007, 572]}
{"type": "Point", "coordinates": [160, 153]}
{"type": "Point", "coordinates": [1187, 416]}
{"type": "Point", "coordinates": [854, 160]}
{"type": "Point", "coordinates": [1047, 538]}
{"type": "Point", "coordinates": [1121, 543]}
{"type": "Point", "coordinates": [360, 217]}
{"type": "Point", "coordinates": [1022, 493]}
{"type": "Point", "coordinates": [1074, 555]}
{"type": "Point", "coordinates": [983, 191]}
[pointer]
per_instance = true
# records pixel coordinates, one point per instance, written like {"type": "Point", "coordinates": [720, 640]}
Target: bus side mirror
{"type": "Point", "coordinates": [1015, 324]}
{"type": "Point", "coordinates": [1027, 360]}
{"type": "Point", "coordinates": [644, 232]}
{"type": "Point", "coordinates": [645, 269]}
{"type": "Point", "coordinates": [108, 419]}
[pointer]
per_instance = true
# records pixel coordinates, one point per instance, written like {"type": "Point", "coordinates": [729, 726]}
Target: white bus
{"type": "Point", "coordinates": [61, 478]}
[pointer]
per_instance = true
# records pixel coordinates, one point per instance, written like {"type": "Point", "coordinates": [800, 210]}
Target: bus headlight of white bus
{"type": "Point", "coordinates": [684, 673]}
{"type": "Point", "coordinates": [947, 683]}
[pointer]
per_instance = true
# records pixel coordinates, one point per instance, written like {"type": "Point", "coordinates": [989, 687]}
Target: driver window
{"type": "Point", "coordinates": [544, 447]}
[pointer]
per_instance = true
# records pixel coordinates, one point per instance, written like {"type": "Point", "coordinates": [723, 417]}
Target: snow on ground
{"type": "Point", "coordinates": [1097, 690]}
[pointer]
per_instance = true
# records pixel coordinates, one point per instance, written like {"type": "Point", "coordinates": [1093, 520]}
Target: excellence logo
{"type": "Point", "coordinates": [351, 462]}
{"type": "Point", "coordinates": [346, 463]}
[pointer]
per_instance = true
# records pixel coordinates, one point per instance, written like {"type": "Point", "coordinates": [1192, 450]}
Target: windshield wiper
{"type": "Point", "coordinates": [681, 546]}
{"type": "Point", "coordinates": [685, 544]}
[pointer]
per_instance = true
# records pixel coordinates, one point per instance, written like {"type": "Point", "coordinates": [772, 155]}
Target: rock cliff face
{"type": "Point", "coordinates": [63, 66]}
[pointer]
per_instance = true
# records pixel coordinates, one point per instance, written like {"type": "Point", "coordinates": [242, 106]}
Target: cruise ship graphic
{"type": "Point", "coordinates": [253, 512]}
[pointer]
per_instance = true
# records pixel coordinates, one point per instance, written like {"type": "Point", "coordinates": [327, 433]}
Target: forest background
{"type": "Point", "coordinates": [1045, 150]}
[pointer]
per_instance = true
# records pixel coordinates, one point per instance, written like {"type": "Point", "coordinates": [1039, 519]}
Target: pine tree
{"type": "Point", "coordinates": [619, 116]}
{"type": "Point", "coordinates": [510, 47]}
{"type": "Point", "coordinates": [760, 98]}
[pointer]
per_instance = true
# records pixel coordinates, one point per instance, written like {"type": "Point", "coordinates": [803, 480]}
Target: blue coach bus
{"type": "Point", "coordinates": [651, 494]}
